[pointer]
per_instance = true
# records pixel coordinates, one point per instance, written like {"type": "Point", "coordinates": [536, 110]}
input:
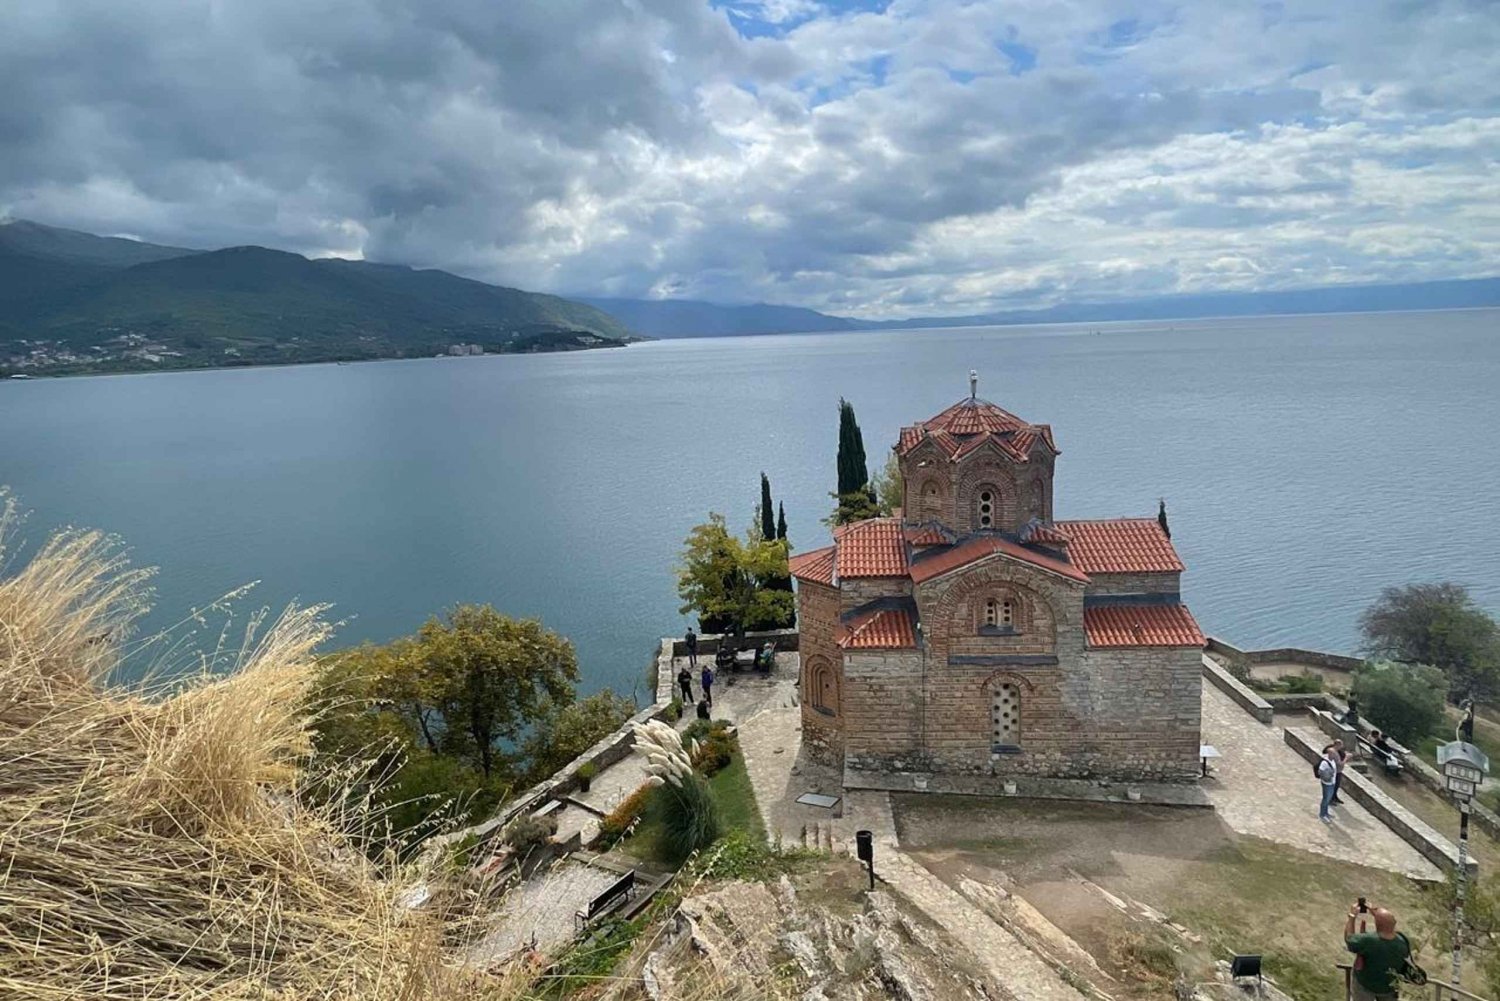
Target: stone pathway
{"type": "Point", "coordinates": [544, 908]}
{"type": "Point", "coordinates": [1264, 788]}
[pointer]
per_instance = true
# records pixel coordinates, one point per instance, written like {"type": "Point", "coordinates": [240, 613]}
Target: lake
{"type": "Point", "coordinates": [1307, 462]}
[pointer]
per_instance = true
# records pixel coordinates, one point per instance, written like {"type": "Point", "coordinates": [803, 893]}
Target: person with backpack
{"type": "Point", "coordinates": [1380, 957]}
{"type": "Point", "coordinates": [1327, 771]}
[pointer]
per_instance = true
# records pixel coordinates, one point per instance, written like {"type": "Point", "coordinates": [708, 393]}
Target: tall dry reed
{"type": "Point", "coordinates": [154, 845]}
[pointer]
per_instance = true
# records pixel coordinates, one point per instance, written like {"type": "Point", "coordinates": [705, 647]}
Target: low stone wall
{"type": "Point", "coordinates": [1282, 655]}
{"type": "Point", "coordinates": [1288, 702]}
{"type": "Point", "coordinates": [785, 639]}
{"type": "Point", "coordinates": [1403, 823]}
{"type": "Point", "coordinates": [1236, 690]}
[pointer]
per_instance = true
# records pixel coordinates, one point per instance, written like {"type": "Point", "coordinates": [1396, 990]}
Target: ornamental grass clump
{"type": "Point", "coordinates": [157, 845]}
{"type": "Point", "coordinates": [683, 804]}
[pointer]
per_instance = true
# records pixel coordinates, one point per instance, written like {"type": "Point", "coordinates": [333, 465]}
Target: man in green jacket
{"type": "Point", "coordinates": [1378, 956]}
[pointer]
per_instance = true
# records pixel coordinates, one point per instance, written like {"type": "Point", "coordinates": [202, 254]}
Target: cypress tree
{"type": "Point", "coordinates": [767, 512]}
{"type": "Point", "coordinates": [854, 474]}
{"type": "Point", "coordinates": [780, 521]}
{"type": "Point", "coordinates": [1161, 518]}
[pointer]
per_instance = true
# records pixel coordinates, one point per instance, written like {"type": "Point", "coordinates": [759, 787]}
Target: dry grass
{"type": "Point", "coordinates": [154, 845]}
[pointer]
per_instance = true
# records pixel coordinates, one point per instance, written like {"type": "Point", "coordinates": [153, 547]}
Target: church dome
{"type": "Point", "coordinates": [970, 423]}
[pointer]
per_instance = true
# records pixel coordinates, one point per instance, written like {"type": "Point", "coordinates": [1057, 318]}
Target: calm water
{"type": "Point", "coordinates": [1306, 462]}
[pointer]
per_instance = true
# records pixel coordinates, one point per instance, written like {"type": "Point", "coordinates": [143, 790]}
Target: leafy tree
{"type": "Point", "coordinates": [781, 521]}
{"type": "Point", "coordinates": [856, 499]}
{"type": "Point", "coordinates": [493, 676]}
{"type": "Point", "coordinates": [726, 581]}
{"type": "Point", "coordinates": [1437, 624]}
{"type": "Point", "coordinates": [1404, 700]}
{"type": "Point", "coordinates": [566, 733]}
{"type": "Point", "coordinates": [767, 511]}
{"type": "Point", "coordinates": [889, 486]}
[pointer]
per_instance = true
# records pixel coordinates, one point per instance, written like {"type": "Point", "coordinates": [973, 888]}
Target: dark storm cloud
{"type": "Point", "coordinates": [926, 154]}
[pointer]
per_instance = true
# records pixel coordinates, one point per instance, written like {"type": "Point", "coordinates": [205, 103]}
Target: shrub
{"type": "Point", "coordinates": [526, 833]}
{"type": "Point", "coordinates": [623, 817]}
{"type": "Point", "coordinates": [1302, 684]}
{"type": "Point", "coordinates": [586, 773]}
{"type": "Point", "coordinates": [716, 745]}
{"type": "Point", "coordinates": [1404, 700]}
{"type": "Point", "coordinates": [674, 710]}
{"type": "Point", "coordinates": [689, 817]}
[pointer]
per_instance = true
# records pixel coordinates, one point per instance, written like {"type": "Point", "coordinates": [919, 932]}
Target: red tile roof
{"type": "Point", "coordinates": [969, 424]}
{"type": "Point", "coordinates": [939, 563]}
{"type": "Point", "coordinates": [815, 566]}
{"type": "Point", "coordinates": [1141, 625]}
{"type": "Point", "coordinates": [882, 629]}
{"type": "Point", "coordinates": [1040, 531]}
{"type": "Point", "coordinates": [1121, 545]}
{"type": "Point", "coordinates": [875, 547]}
{"type": "Point", "coordinates": [926, 535]}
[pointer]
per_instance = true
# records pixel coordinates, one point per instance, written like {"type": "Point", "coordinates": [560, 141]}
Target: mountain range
{"type": "Point", "coordinates": [73, 301]}
{"type": "Point", "coordinates": [687, 318]}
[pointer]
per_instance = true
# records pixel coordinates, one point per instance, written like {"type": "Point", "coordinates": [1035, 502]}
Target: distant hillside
{"type": "Point", "coordinates": [1462, 294]}
{"type": "Point", "coordinates": [691, 318]}
{"type": "Point", "coordinates": [96, 303]}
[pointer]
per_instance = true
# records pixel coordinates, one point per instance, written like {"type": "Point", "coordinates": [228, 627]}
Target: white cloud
{"type": "Point", "coordinates": [924, 156]}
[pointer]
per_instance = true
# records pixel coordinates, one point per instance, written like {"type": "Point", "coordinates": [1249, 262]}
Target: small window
{"type": "Point", "coordinates": [1007, 613]}
{"type": "Point", "coordinates": [992, 612]}
{"type": "Point", "coordinates": [986, 509]}
{"type": "Point", "coordinates": [1005, 718]}
{"type": "Point", "coordinates": [999, 615]}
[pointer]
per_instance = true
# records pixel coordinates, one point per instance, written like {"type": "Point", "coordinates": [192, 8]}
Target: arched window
{"type": "Point", "coordinates": [822, 687]}
{"type": "Point", "coordinates": [986, 509]}
{"type": "Point", "coordinates": [1038, 498]}
{"type": "Point", "coordinates": [1005, 718]}
{"type": "Point", "coordinates": [932, 500]}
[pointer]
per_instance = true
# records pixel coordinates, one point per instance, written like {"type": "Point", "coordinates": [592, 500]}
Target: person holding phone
{"type": "Point", "coordinates": [1378, 956]}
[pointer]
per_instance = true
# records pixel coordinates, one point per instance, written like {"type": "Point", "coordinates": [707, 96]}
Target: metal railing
{"type": "Point", "coordinates": [1437, 990]}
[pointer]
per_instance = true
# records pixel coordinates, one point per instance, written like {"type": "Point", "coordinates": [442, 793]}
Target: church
{"type": "Point", "coordinates": [971, 635]}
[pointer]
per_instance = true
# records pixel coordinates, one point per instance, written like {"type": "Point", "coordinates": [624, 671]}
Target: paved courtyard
{"type": "Point", "coordinates": [1263, 788]}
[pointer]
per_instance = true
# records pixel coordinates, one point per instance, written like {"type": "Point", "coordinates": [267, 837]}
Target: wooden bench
{"type": "Point", "coordinates": [621, 889]}
{"type": "Point", "coordinates": [1388, 760]}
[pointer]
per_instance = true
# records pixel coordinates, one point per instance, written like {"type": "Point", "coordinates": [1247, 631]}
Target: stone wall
{"type": "Point", "coordinates": [818, 617]}
{"type": "Point", "coordinates": [1126, 714]}
{"type": "Point", "coordinates": [785, 639]}
{"type": "Point", "coordinates": [857, 591]}
{"type": "Point", "coordinates": [1135, 583]}
{"type": "Point", "coordinates": [1236, 690]}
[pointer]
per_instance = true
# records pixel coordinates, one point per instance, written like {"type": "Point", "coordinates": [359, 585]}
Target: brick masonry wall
{"type": "Point", "coordinates": [817, 618]}
{"type": "Point", "coordinates": [1135, 583]}
{"type": "Point", "coordinates": [1124, 714]}
{"type": "Point", "coordinates": [858, 590]}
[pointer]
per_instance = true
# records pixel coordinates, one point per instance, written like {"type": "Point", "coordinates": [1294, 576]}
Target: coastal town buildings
{"type": "Point", "coordinates": [972, 634]}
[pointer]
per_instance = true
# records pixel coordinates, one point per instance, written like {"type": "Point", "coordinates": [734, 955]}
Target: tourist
{"type": "Point", "coordinates": [1341, 756]}
{"type": "Point", "coordinates": [703, 708]}
{"type": "Point", "coordinates": [1328, 776]}
{"type": "Point", "coordinates": [706, 682]}
{"type": "Point", "coordinates": [692, 646]}
{"type": "Point", "coordinates": [1381, 744]}
{"type": "Point", "coordinates": [1381, 956]}
{"type": "Point", "coordinates": [685, 682]}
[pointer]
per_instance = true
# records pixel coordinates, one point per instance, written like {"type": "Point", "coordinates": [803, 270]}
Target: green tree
{"type": "Point", "coordinates": [494, 677]}
{"type": "Point", "coordinates": [856, 499]}
{"type": "Point", "coordinates": [767, 510]}
{"type": "Point", "coordinates": [781, 521]}
{"type": "Point", "coordinates": [1437, 624]}
{"type": "Point", "coordinates": [566, 733]}
{"type": "Point", "coordinates": [1404, 700]}
{"type": "Point", "coordinates": [890, 488]}
{"type": "Point", "coordinates": [727, 581]}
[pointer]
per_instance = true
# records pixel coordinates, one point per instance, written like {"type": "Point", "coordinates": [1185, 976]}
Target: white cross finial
{"type": "Point", "coordinates": [973, 384]}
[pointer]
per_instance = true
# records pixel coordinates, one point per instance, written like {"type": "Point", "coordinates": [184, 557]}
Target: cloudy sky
{"type": "Point", "coordinates": [869, 158]}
